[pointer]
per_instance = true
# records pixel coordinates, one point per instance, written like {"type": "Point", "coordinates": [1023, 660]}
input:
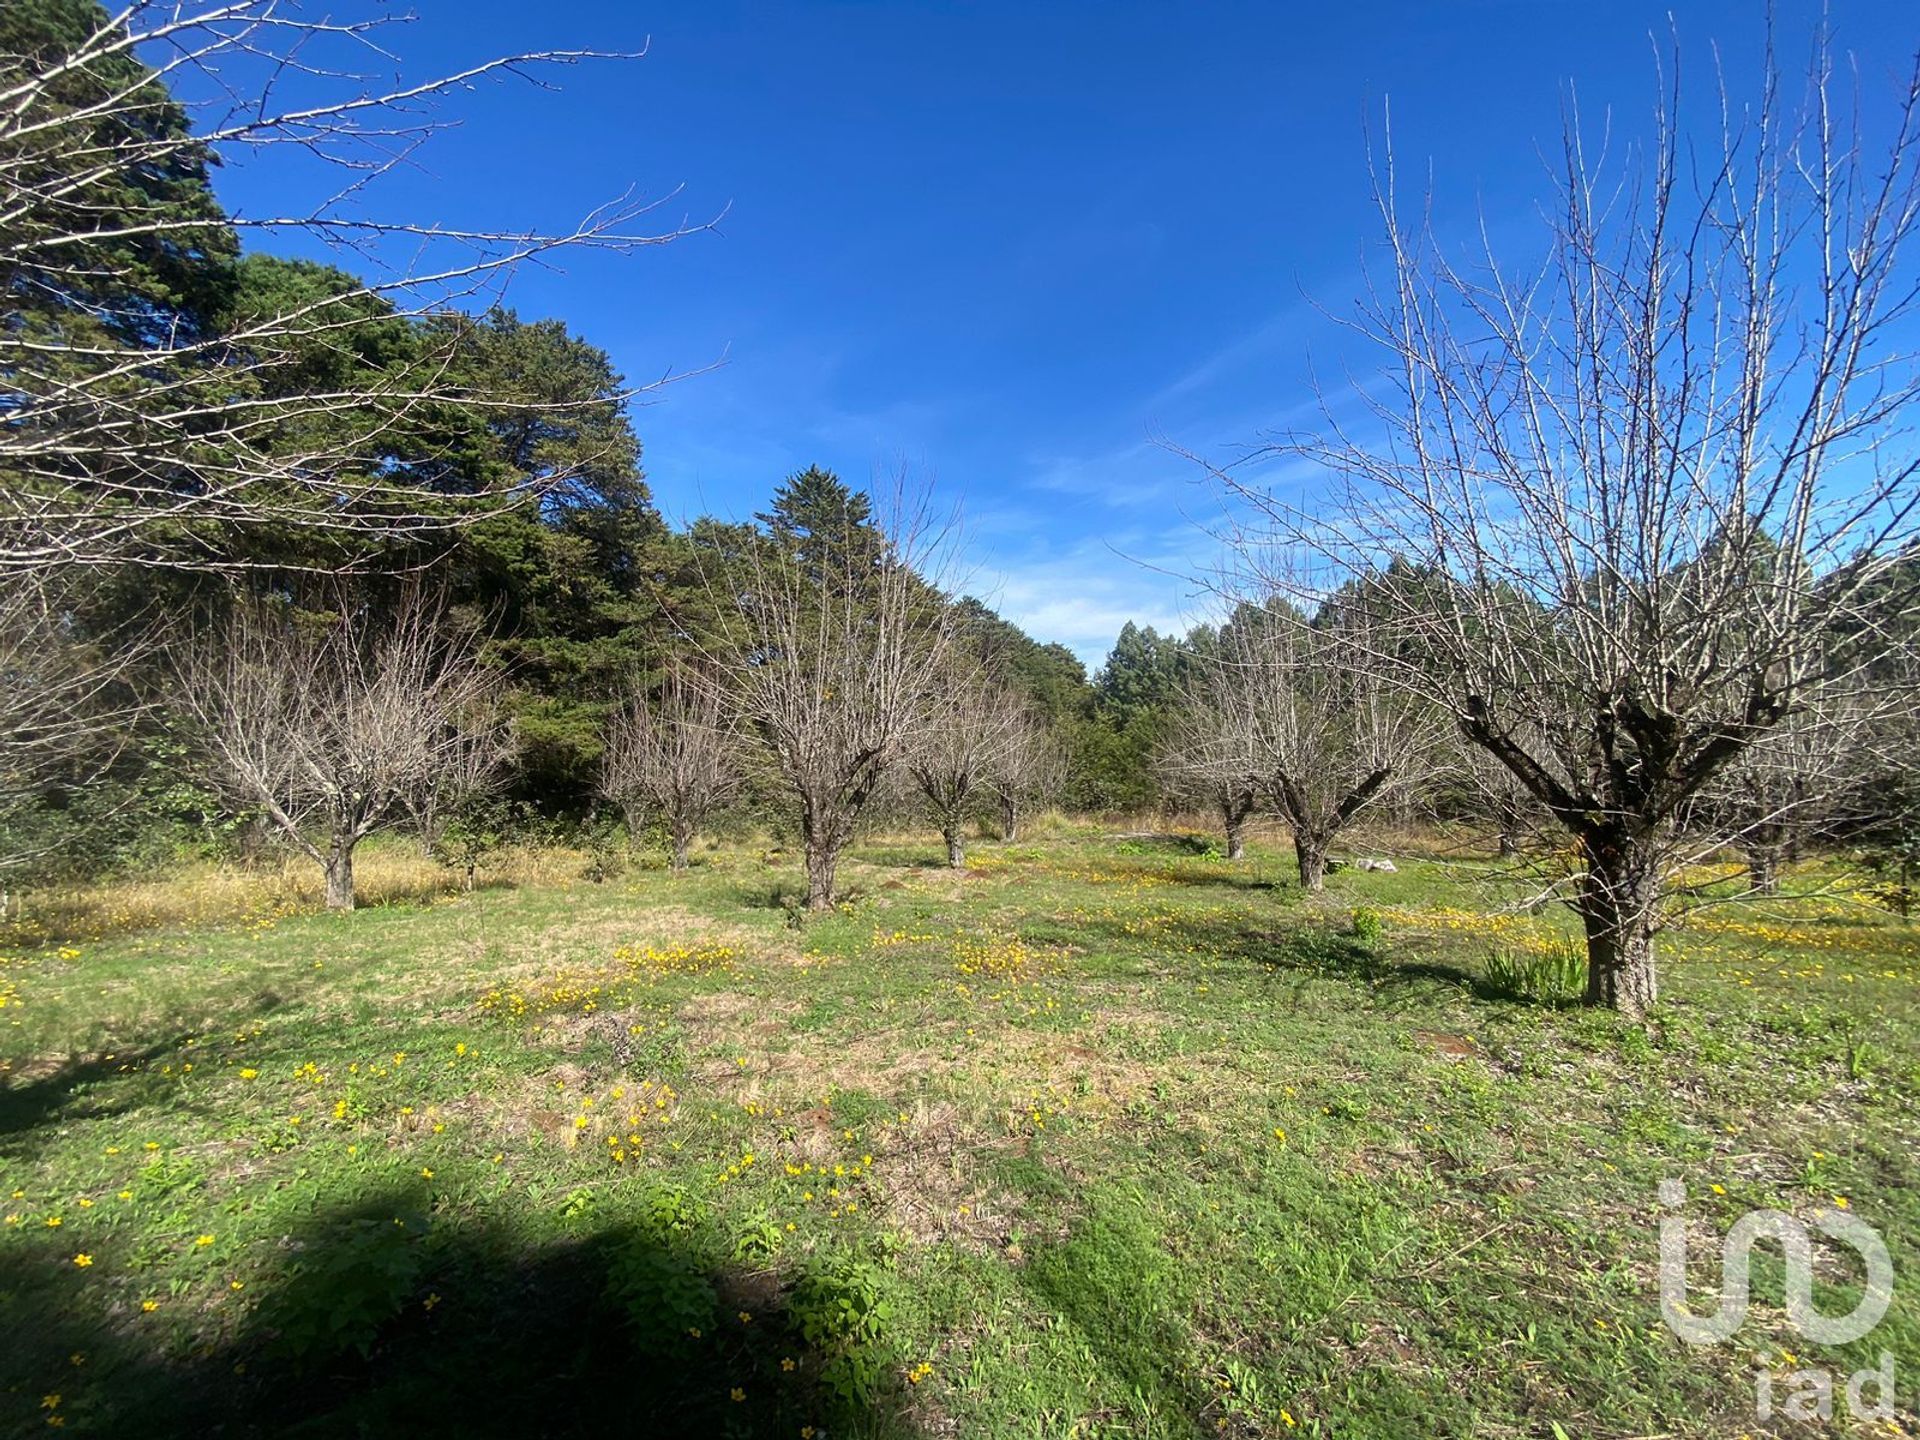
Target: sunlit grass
{"type": "Point", "coordinates": [1101, 1136]}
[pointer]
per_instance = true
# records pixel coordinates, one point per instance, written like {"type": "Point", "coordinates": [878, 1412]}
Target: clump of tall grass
{"type": "Point", "coordinates": [1555, 975]}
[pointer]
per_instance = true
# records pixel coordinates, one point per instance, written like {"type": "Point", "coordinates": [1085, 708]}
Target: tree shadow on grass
{"type": "Point", "coordinates": [1232, 880]}
{"type": "Point", "coordinates": [66, 1092]}
{"type": "Point", "coordinates": [787, 896]}
{"type": "Point", "coordinates": [1317, 950]}
{"type": "Point", "coordinates": [1113, 1282]}
{"type": "Point", "coordinates": [1301, 952]}
{"type": "Point", "coordinates": [385, 1323]}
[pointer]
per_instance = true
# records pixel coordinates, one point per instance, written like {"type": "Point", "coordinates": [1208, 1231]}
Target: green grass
{"type": "Point", "coordinates": [1102, 1138]}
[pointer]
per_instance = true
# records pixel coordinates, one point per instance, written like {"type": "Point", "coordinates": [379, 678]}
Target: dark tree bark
{"type": "Point", "coordinates": [1314, 826]}
{"type": "Point", "coordinates": [1619, 912]}
{"type": "Point", "coordinates": [1235, 808]}
{"type": "Point", "coordinates": [1310, 853]}
{"type": "Point", "coordinates": [1508, 817]}
{"type": "Point", "coordinates": [824, 841]}
{"type": "Point", "coordinates": [822, 861]}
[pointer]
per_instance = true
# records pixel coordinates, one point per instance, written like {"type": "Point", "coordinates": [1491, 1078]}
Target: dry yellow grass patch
{"type": "Point", "coordinates": [209, 894]}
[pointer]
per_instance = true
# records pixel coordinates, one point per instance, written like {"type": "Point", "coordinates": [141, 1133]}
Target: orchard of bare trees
{"type": "Point", "coordinates": [1646, 485]}
{"type": "Point", "coordinates": [889, 817]}
{"type": "Point", "coordinates": [1614, 558]}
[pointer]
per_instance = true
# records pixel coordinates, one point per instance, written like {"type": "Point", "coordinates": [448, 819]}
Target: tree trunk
{"type": "Point", "coordinates": [1508, 819]}
{"type": "Point", "coordinates": [822, 858]}
{"type": "Point", "coordinates": [1311, 852]}
{"type": "Point", "coordinates": [682, 840]}
{"type": "Point", "coordinates": [1763, 869]}
{"type": "Point", "coordinates": [470, 868]}
{"type": "Point", "coordinates": [956, 847]}
{"type": "Point", "coordinates": [339, 868]}
{"type": "Point", "coordinates": [1009, 818]}
{"type": "Point", "coordinates": [1618, 908]}
{"type": "Point", "coordinates": [1236, 834]}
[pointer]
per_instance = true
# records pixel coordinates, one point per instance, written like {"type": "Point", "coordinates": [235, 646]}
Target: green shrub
{"type": "Point", "coordinates": [840, 1308]}
{"type": "Point", "coordinates": [669, 1212]}
{"type": "Point", "coordinates": [1554, 976]}
{"type": "Point", "coordinates": [346, 1285]}
{"type": "Point", "coordinates": [1368, 927]}
{"type": "Point", "coordinates": [667, 1300]}
{"type": "Point", "coordinates": [657, 1277]}
{"type": "Point", "coordinates": [756, 1239]}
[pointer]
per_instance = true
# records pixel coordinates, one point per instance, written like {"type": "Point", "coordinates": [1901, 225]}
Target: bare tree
{"type": "Point", "coordinates": [465, 769]}
{"type": "Point", "coordinates": [327, 723]}
{"type": "Point", "coordinates": [1029, 770]}
{"type": "Point", "coordinates": [1497, 794]}
{"type": "Point", "coordinates": [1641, 480]}
{"type": "Point", "coordinates": [1309, 711]}
{"type": "Point", "coordinates": [675, 756]}
{"type": "Point", "coordinates": [138, 432]}
{"type": "Point", "coordinates": [960, 743]}
{"type": "Point", "coordinates": [1879, 815]}
{"type": "Point", "coordinates": [1768, 799]}
{"type": "Point", "coordinates": [831, 638]}
{"type": "Point", "coordinates": [1207, 757]}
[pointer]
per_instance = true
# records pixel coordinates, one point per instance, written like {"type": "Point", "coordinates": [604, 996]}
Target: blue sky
{"type": "Point", "coordinates": [1011, 245]}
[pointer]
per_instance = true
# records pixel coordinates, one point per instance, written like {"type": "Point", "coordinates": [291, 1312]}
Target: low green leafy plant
{"type": "Point", "coordinates": [656, 1276]}
{"type": "Point", "coordinates": [1368, 927]}
{"type": "Point", "coordinates": [278, 1136]}
{"type": "Point", "coordinates": [671, 1212]}
{"type": "Point", "coordinates": [840, 1308]}
{"type": "Point", "coordinates": [668, 1301]}
{"type": "Point", "coordinates": [341, 1291]}
{"type": "Point", "coordinates": [756, 1239]}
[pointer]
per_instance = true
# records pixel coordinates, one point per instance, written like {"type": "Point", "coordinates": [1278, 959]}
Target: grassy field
{"type": "Point", "coordinates": [1099, 1137]}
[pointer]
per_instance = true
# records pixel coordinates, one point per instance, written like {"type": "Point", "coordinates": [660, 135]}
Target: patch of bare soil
{"type": "Point", "coordinates": [1449, 1047]}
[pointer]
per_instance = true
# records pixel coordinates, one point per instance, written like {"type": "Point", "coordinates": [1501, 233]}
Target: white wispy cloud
{"type": "Point", "coordinates": [1080, 594]}
{"type": "Point", "coordinates": [1255, 348]}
